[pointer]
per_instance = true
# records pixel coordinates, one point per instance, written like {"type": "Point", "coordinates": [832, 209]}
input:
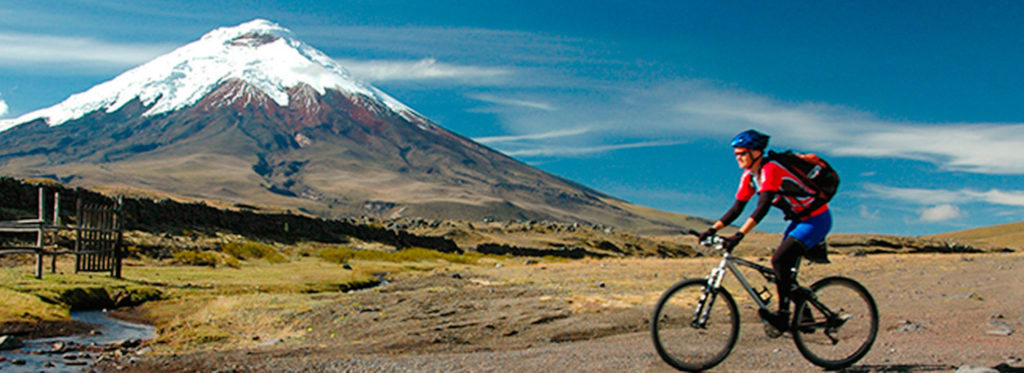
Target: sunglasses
{"type": "Point", "coordinates": [742, 153]}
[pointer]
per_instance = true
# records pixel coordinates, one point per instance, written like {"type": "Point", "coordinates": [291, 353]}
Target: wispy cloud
{"type": "Point", "coordinates": [559, 150]}
{"type": "Point", "coordinates": [424, 69]}
{"type": "Point", "coordinates": [533, 136]}
{"type": "Point", "coordinates": [3, 106]}
{"type": "Point", "coordinates": [923, 196]}
{"type": "Point", "coordinates": [29, 50]}
{"type": "Point", "coordinates": [494, 99]}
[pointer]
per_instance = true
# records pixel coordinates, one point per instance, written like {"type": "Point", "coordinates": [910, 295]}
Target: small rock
{"type": "Point", "coordinates": [70, 356]}
{"type": "Point", "coordinates": [1000, 328]}
{"type": "Point", "coordinates": [457, 276]}
{"type": "Point", "coordinates": [530, 261]}
{"type": "Point", "coordinates": [19, 362]}
{"type": "Point", "coordinates": [970, 369]}
{"type": "Point", "coordinates": [600, 284]}
{"type": "Point", "coordinates": [131, 343]}
{"type": "Point", "coordinates": [10, 342]}
{"type": "Point", "coordinates": [910, 326]}
{"type": "Point", "coordinates": [346, 266]}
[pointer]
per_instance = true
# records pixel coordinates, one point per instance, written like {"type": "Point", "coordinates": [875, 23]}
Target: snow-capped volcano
{"type": "Point", "coordinates": [260, 53]}
{"type": "Point", "coordinates": [251, 116]}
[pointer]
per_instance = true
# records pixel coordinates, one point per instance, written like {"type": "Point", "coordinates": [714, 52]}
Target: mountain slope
{"type": "Point", "coordinates": [1003, 235]}
{"type": "Point", "coordinates": [250, 115]}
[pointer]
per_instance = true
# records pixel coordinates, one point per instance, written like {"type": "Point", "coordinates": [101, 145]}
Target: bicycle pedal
{"type": "Point", "coordinates": [770, 330]}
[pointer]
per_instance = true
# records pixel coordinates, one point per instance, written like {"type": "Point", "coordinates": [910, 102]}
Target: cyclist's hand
{"type": "Point", "coordinates": [729, 243]}
{"type": "Point", "coordinates": [707, 234]}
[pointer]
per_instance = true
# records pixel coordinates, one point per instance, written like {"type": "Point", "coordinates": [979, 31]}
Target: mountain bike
{"type": "Point", "coordinates": [696, 323]}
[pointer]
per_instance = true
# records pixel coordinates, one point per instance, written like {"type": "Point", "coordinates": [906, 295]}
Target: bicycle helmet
{"type": "Point", "coordinates": [750, 139]}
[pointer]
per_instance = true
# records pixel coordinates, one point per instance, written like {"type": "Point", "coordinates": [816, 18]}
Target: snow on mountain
{"type": "Point", "coordinates": [259, 52]}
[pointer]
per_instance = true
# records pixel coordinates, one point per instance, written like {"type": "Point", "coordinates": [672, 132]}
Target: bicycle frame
{"type": "Point", "coordinates": [732, 263]}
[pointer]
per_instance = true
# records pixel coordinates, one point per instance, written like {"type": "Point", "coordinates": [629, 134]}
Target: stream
{"type": "Point", "coordinates": [74, 353]}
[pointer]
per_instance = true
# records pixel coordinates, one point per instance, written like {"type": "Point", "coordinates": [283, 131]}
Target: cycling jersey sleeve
{"type": "Point", "coordinates": [771, 177]}
{"type": "Point", "coordinates": [733, 212]}
{"type": "Point", "coordinates": [746, 191]}
{"type": "Point", "coordinates": [764, 203]}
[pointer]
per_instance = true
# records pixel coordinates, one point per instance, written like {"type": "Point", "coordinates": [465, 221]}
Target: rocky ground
{"type": "Point", "coordinates": [939, 312]}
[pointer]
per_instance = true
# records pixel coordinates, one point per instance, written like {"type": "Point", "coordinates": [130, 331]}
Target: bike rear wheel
{"type": "Point", "coordinates": [686, 339]}
{"type": "Point", "coordinates": [836, 324]}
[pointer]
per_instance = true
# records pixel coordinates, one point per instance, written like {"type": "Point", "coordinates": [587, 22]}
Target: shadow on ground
{"type": "Point", "coordinates": [908, 368]}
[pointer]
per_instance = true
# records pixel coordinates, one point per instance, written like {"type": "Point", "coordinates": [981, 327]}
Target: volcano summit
{"type": "Point", "coordinates": [250, 115]}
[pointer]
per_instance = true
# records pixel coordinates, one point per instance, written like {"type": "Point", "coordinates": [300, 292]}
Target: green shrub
{"type": "Point", "coordinates": [230, 261]}
{"type": "Point", "coordinates": [252, 250]}
{"type": "Point", "coordinates": [196, 258]}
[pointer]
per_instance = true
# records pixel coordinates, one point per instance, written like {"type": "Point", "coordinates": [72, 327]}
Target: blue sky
{"type": "Point", "coordinates": [917, 104]}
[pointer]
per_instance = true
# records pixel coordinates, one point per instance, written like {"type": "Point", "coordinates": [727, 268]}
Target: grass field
{"type": "Point", "coordinates": [249, 294]}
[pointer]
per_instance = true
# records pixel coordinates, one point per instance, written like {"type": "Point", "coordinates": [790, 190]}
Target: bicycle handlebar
{"type": "Point", "coordinates": [715, 241]}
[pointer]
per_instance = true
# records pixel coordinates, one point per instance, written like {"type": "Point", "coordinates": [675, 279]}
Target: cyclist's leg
{"type": "Point", "coordinates": [785, 258]}
{"type": "Point", "coordinates": [799, 236]}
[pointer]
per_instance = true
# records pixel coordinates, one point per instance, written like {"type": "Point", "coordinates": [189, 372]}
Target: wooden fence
{"type": "Point", "coordinates": [98, 236]}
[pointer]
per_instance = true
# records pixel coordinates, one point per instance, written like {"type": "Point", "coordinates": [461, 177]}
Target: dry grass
{"type": "Point", "coordinates": [249, 303]}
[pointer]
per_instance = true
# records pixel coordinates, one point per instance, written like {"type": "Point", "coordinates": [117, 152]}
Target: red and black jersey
{"type": "Point", "coordinates": [793, 196]}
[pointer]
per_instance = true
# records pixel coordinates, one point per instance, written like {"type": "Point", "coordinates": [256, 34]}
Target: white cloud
{"type": "Point", "coordinates": [868, 213]}
{"type": "Point", "coordinates": [923, 196]}
{"type": "Point", "coordinates": [535, 136]}
{"type": "Point", "coordinates": [30, 50]}
{"type": "Point", "coordinates": [3, 106]}
{"type": "Point", "coordinates": [941, 213]}
{"type": "Point", "coordinates": [988, 148]}
{"type": "Point", "coordinates": [424, 69]}
{"type": "Point", "coordinates": [563, 150]}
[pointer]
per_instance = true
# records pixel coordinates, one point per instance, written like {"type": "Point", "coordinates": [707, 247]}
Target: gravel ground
{"type": "Point", "coordinates": [939, 313]}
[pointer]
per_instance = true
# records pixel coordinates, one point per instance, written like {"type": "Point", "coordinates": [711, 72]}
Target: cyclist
{"type": "Point", "coordinates": [774, 185]}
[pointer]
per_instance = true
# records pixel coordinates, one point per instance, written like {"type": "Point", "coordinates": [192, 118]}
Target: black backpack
{"type": "Point", "coordinates": [814, 172]}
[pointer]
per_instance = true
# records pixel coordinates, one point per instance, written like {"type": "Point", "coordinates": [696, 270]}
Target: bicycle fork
{"type": "Point", "coordinates": [707, 299]}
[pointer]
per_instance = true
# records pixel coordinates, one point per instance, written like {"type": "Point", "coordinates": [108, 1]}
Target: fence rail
{"type": "Point", "coordinates": [97, 229]}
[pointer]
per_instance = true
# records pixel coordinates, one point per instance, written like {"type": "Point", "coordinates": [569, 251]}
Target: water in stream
{"type": "Point", "coordinates": [108, 331]}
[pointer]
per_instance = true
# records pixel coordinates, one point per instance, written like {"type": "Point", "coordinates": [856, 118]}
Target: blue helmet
{"type": "Point", "coordinates": [750, 139]}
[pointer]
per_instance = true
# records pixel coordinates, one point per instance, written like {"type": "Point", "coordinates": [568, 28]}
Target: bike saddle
{"type": "Point", "coordinates": [818, 253]}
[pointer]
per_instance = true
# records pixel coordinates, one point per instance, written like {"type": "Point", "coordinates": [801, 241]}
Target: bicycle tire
{"type": "Point", "coordinates": [846, 338]}
{"type": "Point", "coordinates": [687, 347]}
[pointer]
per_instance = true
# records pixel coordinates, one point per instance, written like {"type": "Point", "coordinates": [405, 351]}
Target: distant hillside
{"type": "Point", "coordinates": [1009, 235]}
{"type": "Point", "coordinates": [159, 216]}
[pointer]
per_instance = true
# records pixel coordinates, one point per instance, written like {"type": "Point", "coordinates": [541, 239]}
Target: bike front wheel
{"type": "Point", "coordinates": [836, 324]}
{"type": "Point", "coordinates": [693, 328]}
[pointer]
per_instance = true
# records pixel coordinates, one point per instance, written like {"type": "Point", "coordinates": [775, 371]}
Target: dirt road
{"type": "Point", "coordinates": [938, 313]}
